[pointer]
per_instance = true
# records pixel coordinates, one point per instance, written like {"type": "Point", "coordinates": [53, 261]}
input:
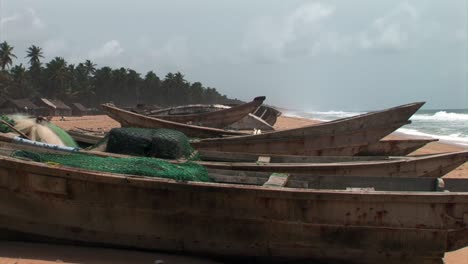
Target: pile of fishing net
{"type": "Point", "coordinates": [37, 130]}
{"type": "Point", "coordinates": [160, 143]}
{"type": "Point", "coordinates": [142, 166]}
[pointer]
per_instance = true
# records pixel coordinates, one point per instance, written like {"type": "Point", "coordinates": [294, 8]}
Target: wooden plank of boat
{"type": "Point", "coordinates": [342, 137]}
{"type": "Point", "coordinates": [393, 147]}
{"type": "Point", "coordinates": [435, 165]}
{"type": "Point", "coordinates": [219, 119]}
{"type": "Point", "coordinates": [230, 220]}
{"type": "Point", "coordinates": [248, 122]}
{"type": "Point", "coordinates": [267, 113]}
{"type": "Point", "coordinates": [85, 137]}
{"type": "Point", "coordinates": [130, 119]}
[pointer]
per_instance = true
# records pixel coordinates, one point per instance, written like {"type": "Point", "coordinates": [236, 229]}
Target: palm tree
{"type": "Point", "coordinates": [34, 53]}
{"type": "Point", "coordinates": [20, 82]}
{"type": "Point", "coordinates": [6, 53]}
{"type": "Point", "coordinates": [102, 81]}
{"type": "Point", "coordinates": [58, 76]}
{"type": "Point", "coordinates": [151, 89]}
{"type": "Point", "coordinates": [90, 68]}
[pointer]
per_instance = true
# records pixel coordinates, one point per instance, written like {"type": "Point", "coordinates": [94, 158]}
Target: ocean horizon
{"type": "Point", "coordinates": [447, 125]}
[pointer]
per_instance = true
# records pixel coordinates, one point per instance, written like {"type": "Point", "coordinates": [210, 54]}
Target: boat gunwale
{"type": "Point", "coordinates": [277, 134]}
{"type": "Point", "coordinates": [257, 100]}
{"type": "Point", "coordinates": [147, 182]}
{"type": "Point", "coordinates": [391, 161]}
{"type": "Point", "coordinates": [175, 124]}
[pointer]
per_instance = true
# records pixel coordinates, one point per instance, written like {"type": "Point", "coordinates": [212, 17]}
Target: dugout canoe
{"type": "Point", "coordinates": [384, 147]}
{"type": "Point", "coordinates": [342, 137]}
{"type": "Point", "coordinates": [218, 119]}
{"type": "Point", "coordinates": [395, 221]}
{"type": "Point", "coordinates": [89, 138]}
{"type": "Point", "coordinates": [394, 147]}
{"type": "Point", "coordinates": [248, 122]}
{"type": "Point", "coordinates": [435, 165]}
{"type": "Point", "coordinates": [267, 113]}
{"type": "Point", "coordinates": [130, 119]}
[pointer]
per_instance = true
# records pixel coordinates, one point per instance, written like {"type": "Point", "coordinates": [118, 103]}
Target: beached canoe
{"type": "Point", "coordinates": [435, 165]}
{"type": "Point", "coordinates": [218, 119]}
{"type": "Point", "coordinates": [130, 119]}
{"type": "Point", "coordinates": [248, 122]}
{"type": "Point", "coordinates": [394, 147]}
{"type": "Point", "coordinates": [362, 221]}
{"type": "Point", "coordinates": [86, 137]}
{"type": "Point", "coordinates": [267, 113]}
{"type": "Point", "coordinates": [342, 137]}
{"type": "Point", "coordinates": [384, 147]}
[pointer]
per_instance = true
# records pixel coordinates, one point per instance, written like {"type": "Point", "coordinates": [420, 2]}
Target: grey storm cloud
{"type": "Point", "coordinates": [317, 49]}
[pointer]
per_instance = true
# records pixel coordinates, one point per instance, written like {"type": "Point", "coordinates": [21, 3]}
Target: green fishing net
{"type": "Point", "coordinates": [4, 128]}
{"type": "Point", "coordinates": [142, 166]}
{"type": "Point", "coordinates": [160, 143]}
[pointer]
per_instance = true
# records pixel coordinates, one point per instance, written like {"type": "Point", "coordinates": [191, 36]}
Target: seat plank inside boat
{"type": "Point", "coordinates": [277, 180]}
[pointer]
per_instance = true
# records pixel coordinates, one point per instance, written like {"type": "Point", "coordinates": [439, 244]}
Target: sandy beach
{"type": "Point", "coordinates": [28, 253]}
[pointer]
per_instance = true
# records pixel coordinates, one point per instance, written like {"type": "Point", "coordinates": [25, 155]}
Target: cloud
{"type": "Point", "coordinates": [393, 31]}
{"type": "Point", "coordinates": [24, 25]}
{"type": "Point", "coordinates": [54, 47]}
{"type": "Point", "coordinates": [297, 34]}
{"type": "Point", "coordinates": [173, 55]}
{"type": "Point", "coordinates": [111, 48]}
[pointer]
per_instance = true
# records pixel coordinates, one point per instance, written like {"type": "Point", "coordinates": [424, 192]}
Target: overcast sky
{"type": "Point", "coordinates": [309, 55]}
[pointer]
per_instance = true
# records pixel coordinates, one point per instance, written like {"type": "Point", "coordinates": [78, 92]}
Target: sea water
{"type": "Point", "coordinates": [447, 125]}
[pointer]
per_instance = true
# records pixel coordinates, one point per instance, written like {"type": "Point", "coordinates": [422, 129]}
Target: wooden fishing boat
{"type": "Point", "coordinates": [435, 165]}
{"type": "Point", "coordinates": [342, 137]}
{"type": "Point", "coordinates": [130, 119]}
{"type": "Point", "coordinates": [248, 122]}
{"type": "Point", "coordinates": [218, 119]}
{"type": "Point", "coordinates": [384, 147]}
{"type": "Point", "coordinates": [267, 113]}
{"type": "Point", "coordinates": [274, 218]}
{"type": "Point", "coordinates": [86, 137]}
{"type": "Point", "coordinates": [394, 147]}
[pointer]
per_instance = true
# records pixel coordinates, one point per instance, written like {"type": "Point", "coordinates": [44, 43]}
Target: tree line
{"type": "Point", "coordinates": [91, 86]}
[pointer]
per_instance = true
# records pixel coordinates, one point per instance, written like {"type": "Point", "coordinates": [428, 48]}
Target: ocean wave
{"type": "Point", "coordinates": [321, 115]}
{"type": "Point", "coordinates": [441, 116]}
{"type": "Point", "coordinates": [455, 138]}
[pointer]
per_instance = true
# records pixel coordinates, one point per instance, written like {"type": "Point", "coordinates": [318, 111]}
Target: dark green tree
{"type": "Point", "coordinates": [6, 55]}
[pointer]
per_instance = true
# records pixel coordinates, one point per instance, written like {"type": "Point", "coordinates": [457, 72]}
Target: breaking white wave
{"type": "Point", "coordinates": [321, 115]}
{"type": "Point", "coordinates": [455, 138]}
{"type": "Point", "coordinates": [441, 116]}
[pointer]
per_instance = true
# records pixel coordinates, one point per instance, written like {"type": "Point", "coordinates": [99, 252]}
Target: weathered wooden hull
{"type": "Point", "coordinates": [267, 113]}
{"type": "Point", "coordinates": [425, 166]}
{"type": "Point", "coordinates": [393, 147]}
{"type": "Point", "coordinates": [87, 138]}
{"type": "Point", "coordinates": [218, 119]}
{"type": "Point", "coordinates": [129, 119]}
{"type": "Point", "coordinates": [342, 137]}
{"type": "Point", "coordinates": [230, 220]}
{"type": "Point", "coordinates": [431, 166]}
{"type": "Point", "coordinates": [248, 122]}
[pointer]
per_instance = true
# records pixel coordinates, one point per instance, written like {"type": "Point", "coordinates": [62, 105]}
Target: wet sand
{"type": "Point", "coordinates": [30, 253]}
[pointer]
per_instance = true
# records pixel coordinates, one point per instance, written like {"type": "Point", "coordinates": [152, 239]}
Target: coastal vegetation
{"type": "Point", "coordinates": [90, 85]}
